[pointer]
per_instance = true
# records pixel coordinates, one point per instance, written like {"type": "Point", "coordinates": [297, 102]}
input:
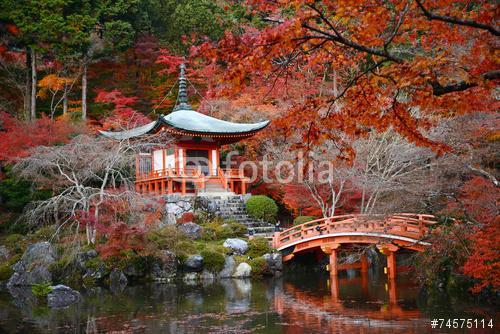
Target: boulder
{"type": "Point", "coordinates": [83, 257]}
{"type": "Point", "coordinates": [238, 246]}
{"type": "Point", "coordinates": [243, 270]}
{"type": "Point", "coordinates": [62, 296]}
{"type": "Point", "coordinates": [33, 266]}
{"type": "Point", "coordinates": [96, 274]}
{"type": "Point", "coordinates": [165, 266]}
{"type": "Point", "coordinates": [274, 263]}
{"type": "Point", "coordinates": [228, 269]}
{"type": "Point", "coordinates": [194, 263]}
{"type": "Point", "coordinates": [4, 253]}
{"type": "Point", "coordinates": [192, 230]}
{"type": "Point", "coordinates": [117, 280]}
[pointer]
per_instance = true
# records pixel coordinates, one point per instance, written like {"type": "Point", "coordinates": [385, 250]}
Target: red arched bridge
{"type": "Point", "coordinates": [388, 233]}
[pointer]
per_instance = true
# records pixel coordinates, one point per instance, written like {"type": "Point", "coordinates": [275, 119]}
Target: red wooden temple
{"type": "Point", "coordinates": [191, 162]}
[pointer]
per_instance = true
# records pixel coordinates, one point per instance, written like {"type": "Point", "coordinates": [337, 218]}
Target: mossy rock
{"type": "Point", "coordinates": [257, 247]}
{"type": "Point", "coordinates": [212, 261]}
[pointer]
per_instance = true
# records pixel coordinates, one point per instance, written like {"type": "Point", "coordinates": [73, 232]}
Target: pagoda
{"type": "Point", "coordinates": [190, 163]}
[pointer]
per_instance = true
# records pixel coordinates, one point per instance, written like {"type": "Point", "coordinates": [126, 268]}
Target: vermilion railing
{"type": "Point", "coordinates": [409, 225]}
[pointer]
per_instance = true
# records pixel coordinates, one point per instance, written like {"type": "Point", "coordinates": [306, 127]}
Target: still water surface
{"type": "Point", "coordinates": [309, 302]}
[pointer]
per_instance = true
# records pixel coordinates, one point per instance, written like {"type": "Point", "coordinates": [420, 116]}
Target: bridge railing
{"type": "Point", "coordinates": [401, 224]}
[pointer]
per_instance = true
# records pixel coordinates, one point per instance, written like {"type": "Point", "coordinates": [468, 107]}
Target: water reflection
{"type": "Point", "coordinates": [298, 303]}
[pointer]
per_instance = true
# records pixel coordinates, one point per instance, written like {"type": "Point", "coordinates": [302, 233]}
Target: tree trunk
{"type": "Point", "coordinates": [27, 91]}
{"type": "Point", "coordinates": [65, 100]}
{"type": "Point", "coordinates": [84, 90]}
{"type": "Point", "coordinates": [33, 84]}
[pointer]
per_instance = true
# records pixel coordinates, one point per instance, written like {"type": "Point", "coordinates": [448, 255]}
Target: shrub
{"type": "Point", "coordinates": [184, 249]}
{"type": "Point", "coordinates": [166, 238]}
{"type": "Point", "coordinates": [262, 207]}
{"type": "Point", "coordinates": [259, 266]}
{"type": "Point", "coordinates": [186, 218]}
{"type": "Point", "coordinates": [258, 246]}
{"type": "Point", "coordinates": [237, 230]}
{"type": "Point", "coordinates": [302, 219]}
{"type": "Point", "coordinates": [41, 290]}
{"type": "Point", "coordinates": [212, 261]}
{"type": "Point", "coordinates": [15, 243]}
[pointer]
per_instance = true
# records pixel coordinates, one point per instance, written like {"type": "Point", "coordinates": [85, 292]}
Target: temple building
{"type": "Point", "coordinates": [190, 163]}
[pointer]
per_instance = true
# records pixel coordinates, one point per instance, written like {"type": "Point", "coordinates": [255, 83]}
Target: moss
{"type": "Point", "coordinates": [5, 271]}
{"type": "Point", "coordinates": [41, 290]}
{"type": "Point", "coordinates": [88, 281]}
{"type": "Point", "coordinates": [258, 246]}
{"type": "Point", "coordinates": [237, 230]}
{"type": "Point", "coordinates": [259, 266]}
{"type": "Point", "coordinates": [213, 261]}
{"type": "Point", "coordinates": [302, 219]}
{"type": "Point", "coordinates": [262, 207]}
{"type": "Point", "coordinates": [166, 237]}
{"type": "Point", "coordinates": [93, 263]}
{"type": "Point", "coordinates": [15, 243]}
{"type": "Point", "coordinates": [43, 233]}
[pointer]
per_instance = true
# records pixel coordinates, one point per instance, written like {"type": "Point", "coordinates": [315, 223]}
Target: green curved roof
{"type": "Point", "coordinates": [184, 118]}
{"type": "Point", "coordinates": [190, 121]}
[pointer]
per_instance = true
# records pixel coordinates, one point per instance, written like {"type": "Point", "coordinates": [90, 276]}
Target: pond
{"type": "Point", "coordinates": [300, 302]}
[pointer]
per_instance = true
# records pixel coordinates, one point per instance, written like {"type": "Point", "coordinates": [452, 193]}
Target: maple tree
{"type": "Point", "coordinates": [17, 137]}
{"type": "Point", "coordinates": [361, 65]}
{"type": "Point", "coordinates": [120, 238]}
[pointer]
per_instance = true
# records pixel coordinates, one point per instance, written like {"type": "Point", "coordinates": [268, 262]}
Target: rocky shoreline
{"type": "Point", "coordinates": [39, 267]}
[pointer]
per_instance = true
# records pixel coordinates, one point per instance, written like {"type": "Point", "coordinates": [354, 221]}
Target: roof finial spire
{"type": "Point", "coordinates": [182, 97]}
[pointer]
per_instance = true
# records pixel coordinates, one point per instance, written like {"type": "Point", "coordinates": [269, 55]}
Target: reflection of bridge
{"type": "Point", "coordinates": [329, 313]}
{"type": "Point", "coordinates": [389, 233]}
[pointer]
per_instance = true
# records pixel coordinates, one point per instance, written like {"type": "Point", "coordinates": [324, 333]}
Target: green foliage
{"type": "Point", "coordinates": [262, 207]}
{"type": "Point", "coordinates": [166, 238]}
{"type": "Point", "coordinates": [258, 246]}
{"type": "Point", "coordinates": [16, 193]}
{"type": "Point", "coordinates": [5, 271]}
{"type": "Point", "coordinates": [15, 243]}
{"type": "Point", "coordinates": [212, 261]}
{"type": "Point", "coordinates": [238, 230]}
{"type": "Point", "coordinates": [41, 290]}
{"type": "Point", "coordinates": [44, 233]}
{"type": "Point", "coordinates": [302, 219]}
{"type": "Point", "coordinates": [259, 266]}
{"type": "Point", "coordinates": [184, 249]}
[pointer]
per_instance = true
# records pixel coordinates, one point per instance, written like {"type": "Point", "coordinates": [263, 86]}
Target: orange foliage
{"type": "Point", "coordinates": [354, 66]}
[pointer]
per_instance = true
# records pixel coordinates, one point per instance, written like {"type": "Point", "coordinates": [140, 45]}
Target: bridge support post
{"type": "Point", "coordinates": [390, 252]}
{"type": "Point", "coordinates": [331, 250]}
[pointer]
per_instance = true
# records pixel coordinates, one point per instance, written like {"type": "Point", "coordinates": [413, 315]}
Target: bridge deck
{"type": "Point", "coordinates": [405, 228]}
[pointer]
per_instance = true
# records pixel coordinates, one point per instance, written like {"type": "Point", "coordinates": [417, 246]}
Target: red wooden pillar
{"type": "Point", "coordinates": [364, 264]}
{"type": "Point", "coordinates": [183, 186]}
{"type": "Point", "coordinates": [170, 186]}
{"type": "Point", "coordinates": [334, 288]}
{"type": "Point", "coordinates": [331, 250]}
{"type": "Point", "coordinates": [393, 297]}
{"type": "Point", "coordinates": [243, 187]}
{"type": "Point", "coordinates": [391, 265]}
{"type": "Point", "coordinates": [390, 252]}
{"type": "Point", "coordinates": [333, 263]}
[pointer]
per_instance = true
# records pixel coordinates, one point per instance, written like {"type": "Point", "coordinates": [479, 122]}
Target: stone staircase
{"type": "Point", "coordinates": [233, 207]}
